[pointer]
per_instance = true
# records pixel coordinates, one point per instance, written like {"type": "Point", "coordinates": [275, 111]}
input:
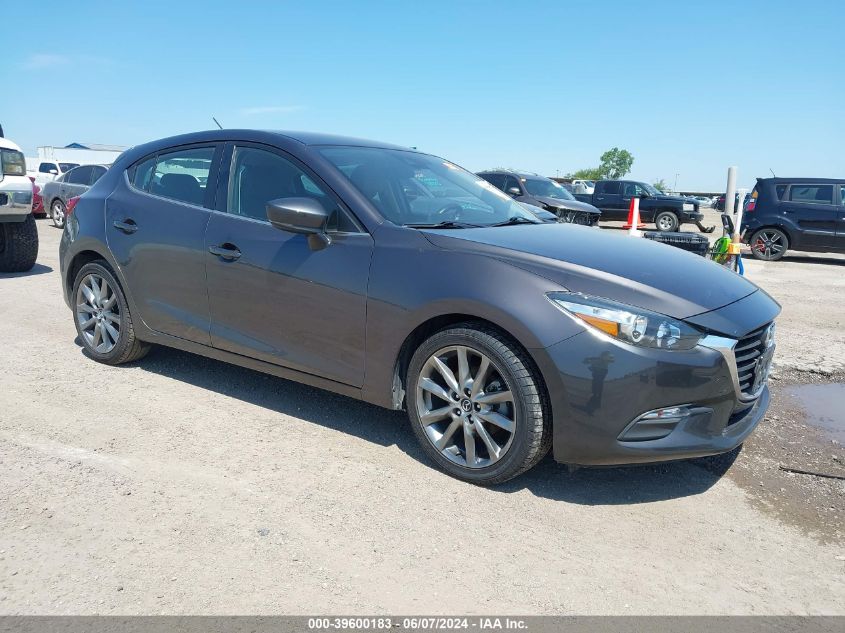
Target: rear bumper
{"type": "Point", "coordinates": [600, 389]}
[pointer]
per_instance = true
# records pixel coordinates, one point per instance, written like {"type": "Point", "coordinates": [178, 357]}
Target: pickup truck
{"type": "Point", "coordinates": [18, 233]}
{"type": "Point", "coordinates": [613, 198]}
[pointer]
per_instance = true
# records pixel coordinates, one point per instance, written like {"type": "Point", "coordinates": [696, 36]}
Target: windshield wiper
{"type": "Point", "coordinates": [516, 220]}
{"type": "Point", "coordinates": [446, 224]}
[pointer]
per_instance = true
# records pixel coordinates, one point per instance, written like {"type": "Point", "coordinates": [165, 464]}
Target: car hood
{"type": "Point", "coordinates": [570, 205]}
{"type": "Point", "coordinates": [636, 271]}
{"type": "Point", "coordinates": [664, 198]}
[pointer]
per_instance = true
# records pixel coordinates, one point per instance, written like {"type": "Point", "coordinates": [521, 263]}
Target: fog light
{"type": "Point", "coordinates": [655, 424]}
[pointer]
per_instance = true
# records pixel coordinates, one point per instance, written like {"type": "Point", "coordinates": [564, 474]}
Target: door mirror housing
{"type": "Point", "coordinates": [644, 194]}
{"type": "Point", "coordinates": [54, 172]}
{"type": "Point", "coordinates": [300, 215]}
{"type": "Point", "coordinates": [514, 191]}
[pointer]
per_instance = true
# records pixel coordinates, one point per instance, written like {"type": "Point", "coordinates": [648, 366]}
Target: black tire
{"type": "Point", "coordinates": [667, 221]}
{"type": "Point", "coordinates": [58, 212]}
{"type": "Point", "coordinates": [18, 245]}
{"type": "Point", "coordinates": [769, 244]}
{"type": "Point", "coordinates": [128, 347]}
{"type": "Point", "coordinates": [532, 434]}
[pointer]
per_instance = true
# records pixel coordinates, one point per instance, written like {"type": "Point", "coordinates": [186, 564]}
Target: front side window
{"type": "Point", "coordinates": [512, 183]}
{"type": "Point", "coordinates": [546, 188]}
{"type": "Point", "coordinates": [47, 168]}
{"type": "Point", "coordinates": [409, 188]}
{"type": "Point", "coordinates": [814, 194]}
{"type": "Point", "coordinates": [182, 175]}
{"type": "Point", "coordinates": [259, 176]}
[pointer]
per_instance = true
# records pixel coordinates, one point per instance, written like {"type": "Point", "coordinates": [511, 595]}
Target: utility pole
{"type": "Point", "coordinates": [675, 188]}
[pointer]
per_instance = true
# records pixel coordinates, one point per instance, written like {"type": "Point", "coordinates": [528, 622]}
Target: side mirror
{"type": "Point", "coordinates": [300, 215]}
{"type": "Point", "coordinates": [728, 224]}
{"type": "Point", "coordinates": [514, 191]}
{"type": "Point", "coordinates": [644, 194]}
{"type": "Point", "coordinates": [55, 172]}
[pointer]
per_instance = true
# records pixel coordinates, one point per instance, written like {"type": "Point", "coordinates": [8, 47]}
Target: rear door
{"type": "Point", "coordinates": [155, 225]}
{"type": "Point", "coordinates": [271, 296]}
{"type": "Point", "coordinates": [608, 198]}
{"type": "Point", "coordinates": [811, 208]}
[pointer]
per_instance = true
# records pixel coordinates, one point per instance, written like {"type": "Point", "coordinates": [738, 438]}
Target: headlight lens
{"type": "Point", "coordinates": [627, 323]}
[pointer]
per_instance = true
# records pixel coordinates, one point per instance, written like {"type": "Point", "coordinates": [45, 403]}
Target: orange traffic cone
{"type": "Point", "coordinates": [634, 202]}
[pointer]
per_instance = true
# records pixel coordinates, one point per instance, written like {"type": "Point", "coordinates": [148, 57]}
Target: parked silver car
{"type": "Point", "coordinates": [69, 185]}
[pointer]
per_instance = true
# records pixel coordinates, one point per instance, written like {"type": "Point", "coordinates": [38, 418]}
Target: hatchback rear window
{"type": "Point", "coordinates": [816, 194]}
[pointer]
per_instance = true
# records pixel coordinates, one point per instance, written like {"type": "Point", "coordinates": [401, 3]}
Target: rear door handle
{"type": "Point", "coordinates": [227, 251]}
{"type": "Point", "coordinates": [127, 226]}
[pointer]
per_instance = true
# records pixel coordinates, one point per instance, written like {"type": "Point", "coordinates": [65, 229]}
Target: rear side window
{"type": "Point", "coordinates": [141, 174]}
{"type": "Point", "coordinates": [182, 175]}
{"type": "Point", "coordinates": [497, 180]}
{"type": "Point", "coordinates": [97, 173]}
{"type": "Point", "coordinates": [612, 187]}
{"type": "Point", "coordinates": [814, 194]}
{"type": "Point", "coordinates": [79, 175]}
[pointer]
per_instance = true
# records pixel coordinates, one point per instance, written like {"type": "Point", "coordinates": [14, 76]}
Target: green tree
{"type": "Point", "coordinates": [660, 185]}
{"type": "Point", "coordinates": [616, 162]}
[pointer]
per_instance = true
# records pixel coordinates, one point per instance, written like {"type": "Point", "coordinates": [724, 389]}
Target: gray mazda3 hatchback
{"type": "Point", "coordinates": [399, 278]}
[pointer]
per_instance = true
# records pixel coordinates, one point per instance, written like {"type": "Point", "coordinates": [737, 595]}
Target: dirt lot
{"type": "Point", "coordinates": [184, 485]}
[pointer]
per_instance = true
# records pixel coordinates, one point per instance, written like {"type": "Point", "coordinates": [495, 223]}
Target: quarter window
{"type": "Point", "coordinates": [96, 173]}
{"type": "Point", "coordinates": [141, 174]}
{"type": "Point", "coordinates": [183, 175]}
{"type": "Point", "coordinates": [814, 194]}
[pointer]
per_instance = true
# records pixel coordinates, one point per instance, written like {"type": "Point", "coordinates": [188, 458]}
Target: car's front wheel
{"type": "Point", "coordinates": [57, 213]}
{"type": "Point", "coordinates": [477, 404]}
{"type": "Point", "coordinates": [769, 244]}
{"type": "Point", "coordinates": [102, 317]}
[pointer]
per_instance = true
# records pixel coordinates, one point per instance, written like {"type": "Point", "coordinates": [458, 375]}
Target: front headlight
{"type": "Point", "coordinates": [628, 323]}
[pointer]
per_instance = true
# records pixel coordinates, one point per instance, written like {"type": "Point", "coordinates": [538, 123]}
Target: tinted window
{"type": "Point", "coordinates": [45, 168]}
{"type": "Point", "coordinates": [779, 191]}
{"type": "Point", "coordinates": [141, 174]}
{"type": "Point", "coordinates": [497, 180]}
{"type": "Point", "coordinates": [510, 181]}
{"type": "Point", "coordinates": [611, 187]}
{"type": "Point", "coordinates": [818, 194]}
{"type": "Point", "coordinates": [68, 166]}
{"type": "Point", "coordinates": [79, 175]}
{"type": "Point", "coordinates": [842, 193]}
{"type": "Point", "coordinates": [182, 175]}
{"type": "Point", "coordinates": [631, 189]}
{"type": "Point", "coordinates": [96, 173]}
{"type": "Point", "coordinates": [258, 176]}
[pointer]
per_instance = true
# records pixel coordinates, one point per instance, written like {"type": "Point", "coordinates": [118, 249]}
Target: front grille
{"type": "Point", "coordinates": [747, 352]}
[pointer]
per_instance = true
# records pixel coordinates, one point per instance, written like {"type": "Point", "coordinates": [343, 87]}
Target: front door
{"type": "Point", "coordinates": [155, 226]}
{"type": "Point", "coordinates": [272, 297]}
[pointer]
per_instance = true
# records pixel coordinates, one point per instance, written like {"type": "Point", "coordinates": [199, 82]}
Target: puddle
{"type": "Point", "coordinates": [824, 406]}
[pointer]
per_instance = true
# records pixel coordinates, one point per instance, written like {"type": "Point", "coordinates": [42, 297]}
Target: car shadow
{"type": "Point", "coordinates": [587, 486]}
{"type": "Point", "coordinates": [817, 259]}
{"type": "Point", "coordinates": [38, 269]}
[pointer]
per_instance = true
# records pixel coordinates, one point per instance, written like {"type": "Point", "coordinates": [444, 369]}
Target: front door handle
{"type": "Point", "coordinates": [127, 226]}
{"type": "Point", "coordinates": [227, 251]}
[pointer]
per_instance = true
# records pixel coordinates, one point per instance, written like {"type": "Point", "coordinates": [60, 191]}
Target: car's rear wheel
{"type": "Point", "coordinates": [18, 245]}
{"type": "Point", "coordinates": [477, 404]}
{"type": "Point", "coordinates": [666, 221]}
{"type": "Point", "coordinates": [57, 213]}
{"type": "Point", "coordinates": [769, 244]}
{"type": "Point", "coordinates": [102, 317]}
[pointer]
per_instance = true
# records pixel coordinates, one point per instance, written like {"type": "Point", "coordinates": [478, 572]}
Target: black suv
{"type": "Point", "coordinates": [805, 214]}
{"type": "Point", "coordinates": [543, 192]}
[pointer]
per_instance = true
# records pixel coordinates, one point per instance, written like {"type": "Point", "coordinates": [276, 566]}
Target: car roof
{"type": "Point", "coordinates": [304, 138]}
{"type": "Point", "coordinates": [818, 181]}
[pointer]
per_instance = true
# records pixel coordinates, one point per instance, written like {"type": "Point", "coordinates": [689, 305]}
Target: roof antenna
{"type": "Point", "coordinates": [773, 172]}
{"type": "Point", "coordinates": [218, 123]}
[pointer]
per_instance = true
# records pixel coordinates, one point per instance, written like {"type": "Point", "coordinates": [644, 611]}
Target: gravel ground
{"type": "Point", "coordinates": [182, 485]}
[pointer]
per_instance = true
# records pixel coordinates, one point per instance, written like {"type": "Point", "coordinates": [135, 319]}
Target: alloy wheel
{"type": "Point", "coordinates": [665, 223]}
{"type": "Point", "coordinates": [466, 407]}
{"type": "Point", "coordinates": [58, 213]}
{"type": "Point", "coordinates": [769, 244]}
{"type": "Point", "coordinates": [98, 313]}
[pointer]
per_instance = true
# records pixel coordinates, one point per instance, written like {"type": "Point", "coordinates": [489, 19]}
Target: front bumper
{"type": "Point", "coordinates": [600, 388]}
{"type": "Point", "coordinates": [15, 199]}
{"type": "Point", "coordinates": [692, 216]}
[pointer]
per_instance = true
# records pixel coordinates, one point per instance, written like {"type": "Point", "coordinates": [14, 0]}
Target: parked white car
{"type": "Point", "coordinates": [47, 170]}
{"type": "Point", "coordinates": [584, 186]}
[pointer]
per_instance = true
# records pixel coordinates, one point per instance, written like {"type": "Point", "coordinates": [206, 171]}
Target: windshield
{"type": "Point", "coordinates": [418, 189]}
{"type": "Point", "coordinates": [651, 190]}
{"type": "Point", "coordinates": [546, 188]}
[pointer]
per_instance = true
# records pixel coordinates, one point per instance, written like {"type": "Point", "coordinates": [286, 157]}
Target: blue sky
{"type": "Point", "coordinates": [689, 88]}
